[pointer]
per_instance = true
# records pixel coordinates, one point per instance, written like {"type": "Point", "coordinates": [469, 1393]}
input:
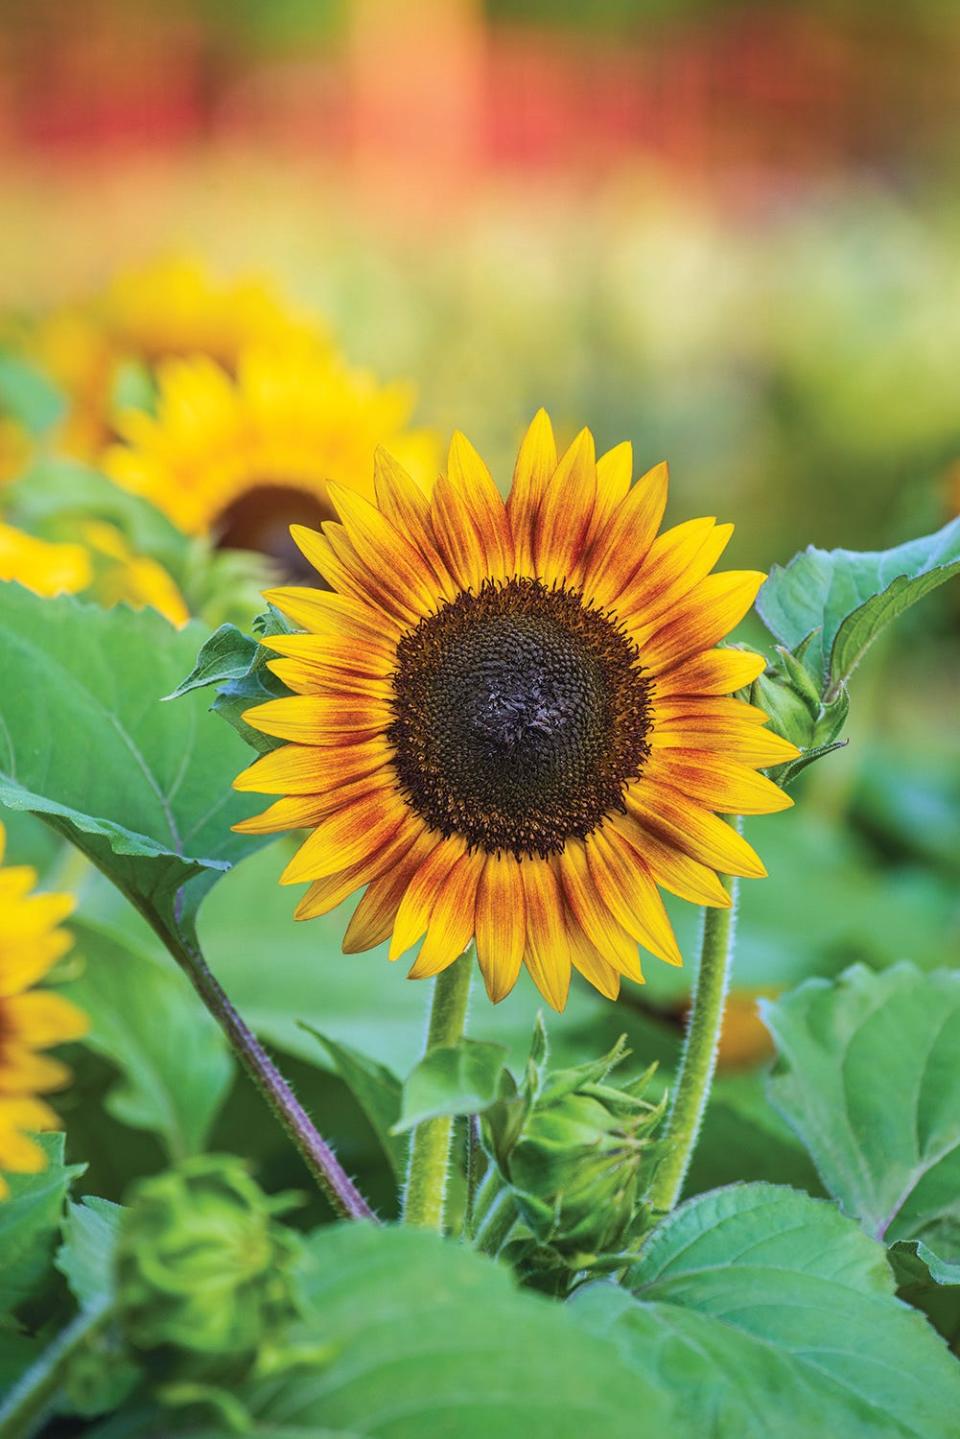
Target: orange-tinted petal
{"type": "Point", "coordinates": [296, 769]}
{"type": "Point", "coordinates": [715, 781]}
{"type": "Point", "coordinates": [566, 510]}
{"type": "Point", "coordinates": [500, 924]}
{"type": "Point", "coordinates": [622, 544]}
{"type": "Point", "coordinates": [709, 612]}
{"type": "Point", "coordinates": [451, 918]}
{"type": "Point", "coordinates": [536, 462]}
{"type": "Point", "coordinates": [713, 672]}
{"type": "Point", "coordinates": [346, 837]}
{"type": "Point", "coordinates": [593, 915]}
{"type": "Point", "coordinates": [692, 829]}
{"type": "Point", "coordinates": [547, 954]}
{"type": "Point", "coordinates": [627, 888]}
{"type": "Point", "coordinates": [413, 916]}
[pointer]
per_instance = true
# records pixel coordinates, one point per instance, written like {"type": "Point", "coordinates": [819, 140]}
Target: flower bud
{"type": "Point", "coordinates": [201, 1265]}
{"type": "Point", "coordinates": [576, 1151]}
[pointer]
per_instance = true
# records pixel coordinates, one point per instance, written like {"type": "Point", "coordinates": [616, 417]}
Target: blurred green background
{"type": "Point", "coordinates": [730, 234]}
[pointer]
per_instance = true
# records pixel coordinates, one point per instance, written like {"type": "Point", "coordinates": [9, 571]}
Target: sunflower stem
{"type": "Point", "coordinates": [27, 1402]}
{"type": "Point", "coordinates": [699, 1059]}
{"type": "Point", "coordinates": [317, 1155]}
{"type": "Point", "coordinates": [425, 1194]}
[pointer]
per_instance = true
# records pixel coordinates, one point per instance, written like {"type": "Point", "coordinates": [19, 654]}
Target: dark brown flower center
{"type": "Point", "coordinates": [261, 518]}
{"type": "Point", "coordinates": [520, 715]}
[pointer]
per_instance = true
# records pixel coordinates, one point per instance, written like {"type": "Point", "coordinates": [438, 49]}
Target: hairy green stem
{"type": "Point", "coordinates": [699, 1059]}
{"type": "Point", "coordinates": [24, 1406]}
{"type": "Point", "coordinates": [426, 1188]}
{"type": "Point", "coordinates": [316, 1153]}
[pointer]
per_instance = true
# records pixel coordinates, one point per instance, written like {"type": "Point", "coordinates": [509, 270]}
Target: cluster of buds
{"type": "Point", "coordinates": [791, 697]}
{"type": "Point", "coordinates": [201, 1264]}
{"type": "Point", "coordinates": [576, 1151]}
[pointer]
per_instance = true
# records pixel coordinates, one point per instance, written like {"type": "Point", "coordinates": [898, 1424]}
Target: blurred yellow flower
{"type": "Point", "coordinates": [123, 577]}
{"type": "Point", "coordinates": [30, 1019]}
{"type": "Point", "coordinates": [47, 569]}
{"type": "Point", "coordinates": [246, 456]}
{"type": "Point", "coordinates": [173, 306]}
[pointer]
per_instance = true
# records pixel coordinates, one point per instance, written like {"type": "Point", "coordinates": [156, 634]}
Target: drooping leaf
{"type": "Point", "coordinates": [844, 598]}
{"type": "Point", "coordinates": [28, 395]}
{"type": "Point", "coordinates": [376, 1089]}
{"type": "Point", "coordinates": [867, 1075]}
{"type": "Point", "coordinates": [144, 789]}
{"type": "Point", "coordinates": [85, 1258]}
{"type": "Point", "coordinates": [462, 1078]}
{"type": "Point", "coordinates": [145, 1018]}
{"type": "Point", "coordinates": [770, 1312]}
{"type": "Point", "coordinates": [430, 1341]}
{"type": "Point", "coordinates": [30, 1222]}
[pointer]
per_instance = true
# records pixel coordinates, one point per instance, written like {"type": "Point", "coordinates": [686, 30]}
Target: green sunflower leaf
{"type": "Point", "coordinates": [135, 1003]}
{"type": "Point", "coordinates": [768, 1311]}
{"type": "Point", "coordinates": [844, 598]}
{"type": "Point", "coordinates": [867, 1076]}
{"type": "Point", "coordinates": [430, 1340]}
{"type": "Point", "coordinates": [85, 1258]}
{"type": "Point", "coordinates": [30, 1222]}
{"type": "Point", "coordinates": [143, 789]}
{"type": "Point", "coordinates": [29, 396]}
{"type": "Point", "coordinates": [376, 1089]}
{"type": "Point", "coordinates": [226, 655]}
{"type": "Point", "coordinates": [463, 1078]}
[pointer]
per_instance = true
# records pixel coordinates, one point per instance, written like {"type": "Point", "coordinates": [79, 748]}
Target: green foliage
{"type": "Point", "coordinates": [840, 600]}
{"type": "Point", "coordinates": [463, 1078]}
{"type": "Point", "coordinates": [29, 1222]}
{"type": "Point", "coordinates": [142, 788]}
{"type": "Point", "coordinates": [135, 1003]}
{"type": "Point", "coordinates": [378, 1092]}
{"type": "Point", "coordinates": [769, 1311]}
{"type": "Point", "coordinates": [29, 396]}
{"type": "Point", "coordinates": [237, 665]}
{"type": "Point", "coordinates": [867, 1075]}
{"type": "Point", "coordinates": [86, 1256]}
{"type": "Point", "coordinates": [430, 1340]}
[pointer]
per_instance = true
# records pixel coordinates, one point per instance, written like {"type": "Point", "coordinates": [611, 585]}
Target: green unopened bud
{"type": "Point", "coordinates": [577, 1158]}
{"type": "Point", "coordinates": [201, 1264]}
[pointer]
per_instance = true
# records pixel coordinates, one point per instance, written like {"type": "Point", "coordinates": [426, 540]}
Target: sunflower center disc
{"type": "Point", "coordinates": [261, 518]}
{"type": "Point", "coordinates": [520, 715]}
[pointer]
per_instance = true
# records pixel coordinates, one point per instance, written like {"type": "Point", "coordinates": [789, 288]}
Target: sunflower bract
{"type": "Point", "coordinates": [511, 720]}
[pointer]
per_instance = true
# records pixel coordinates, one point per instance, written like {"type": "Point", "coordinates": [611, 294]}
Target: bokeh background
{"type": "Point", "coordinates": [729, 233]}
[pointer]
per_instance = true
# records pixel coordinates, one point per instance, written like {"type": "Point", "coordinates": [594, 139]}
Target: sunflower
{"type": "Point", "coordinates": [511, 721]}
{"type": "Point", "coordinates": [245, 456]}
{"type": "Point", "coordinates": [30, 1019]}
{"type": "Point", "coordinates": [46, 568]}
{"type": "Point", "coordinates": [173, 306]}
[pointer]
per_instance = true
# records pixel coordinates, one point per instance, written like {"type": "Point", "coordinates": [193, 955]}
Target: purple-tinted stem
{"type": "Point", "coordinates": [315, 1151]}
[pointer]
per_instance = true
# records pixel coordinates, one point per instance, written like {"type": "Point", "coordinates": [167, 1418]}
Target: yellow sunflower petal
{"type": "Point", "coordinates": [305, 677]}
{"type": "Point", "coordinates": [324, 612]}
{"type": "Point", "coordinates": [325, 894]}
{"type": "Point", "coordinates": [385, 551]}
{"type": "Point", "coordinates": [320, 719]}
{"type": "Point", "coordinates": [335, 655]}
{"type": "Point", "coordinates": [594, 917]}
{"type": "Point", "coordinates": [300, 769]}
{"type": "Point", "coordinates": [591, 963]}
{"type": "Point", "coordinates": [627, 888]}
{"type": "Point", "coordinates": [622, 544]}
{"type": "Point", "coordinates": [482, 504]}
{"type": "Point", "coordinates": [536, 462]}
{"type": "Point", "coordinates": [346, 837]}
{"type": "Point", "coordinates": [709, 612]}
{"type": "Point", "coordinates": [41, 1018]}
{"type": "Point", "coordinates": [566, 510]}
{"type": "Point", "coordinates": [451, 918]}
{"type": "Point", "coordinates": [547, 954]}
{"type": "Point", "coordinates": [23, 1072]}
{"type": "Point", "coordinates": [408, 509]}
{"type": "Point", "coordinates": [500, 924]}
{"type": "Point", "coordinates": [614, 473]}
{"type": "Point", "coordinates": [669, 575]}
{"type": "Point", "coordinates": [695, 831]}
{"type": "Point", "coordinates": [303, 811]}
{"type": "Point", "coordinates": [714, 672]}
{"type": "Point", "coordinates": [714, 780]}
{"type": "Point", "coordinates": [413, 916]}
{"type": "Point", "coordinates": [671, 868]}
{"type": "Point", "coordinates": [319, 550]}
{"type": "Point", "coordinates": [374, 917]}
{"type": "Point", "coordinates": [376, 582]}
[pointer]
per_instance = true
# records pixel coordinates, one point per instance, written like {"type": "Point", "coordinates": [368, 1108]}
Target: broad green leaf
{"type": "Point", "coordinates": [432, 1341]}
{"type": "Point", "coordinates": [771, 1313]}
{"type": "Point", "coordinates": [28, 395]}
{"type": "Point", "coordinates": [463, 1078]}
{"type": "Point", "coordinates": [867, 1075]}
{"type": "Point", "coordinates": [146, 1019]}
{"type": "Point", "coordinates": [844, 598]}
{"type": "Point", "coordinates": [144, 789]}
{"type": "Point", "coordinates": [85, 1258]}
{"type": "Point", "coordinates": [30, 1222]}
{"type": "Point", "coordinates": [376, 1089]}
{"type": "Point", "coordinates": [226, 655]}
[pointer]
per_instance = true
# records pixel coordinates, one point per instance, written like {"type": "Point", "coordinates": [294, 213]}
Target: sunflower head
{"type": "Point", "coordinates": [31, 1020]}
{"type": "Point", "coordinates": [243, 456]}
{"type": "Point", "coordinates": [511, 720]}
